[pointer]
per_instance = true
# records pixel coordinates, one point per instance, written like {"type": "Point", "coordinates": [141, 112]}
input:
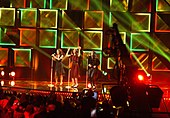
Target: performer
{"type": "Point", "coordinates": [59, 69]}
{"type": "Point", "coordinates": [93, 63]}
{"type": "Point", "coordinates": [74, 62]}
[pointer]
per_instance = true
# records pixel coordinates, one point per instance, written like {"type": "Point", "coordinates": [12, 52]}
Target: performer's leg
{"type": "Point", "coordinates": [76, 82]}
{"type": "Point", "coordinates": [72, 81]}
{"type": "Point", "coordinates": [56, 78]}
{"type": "Point", "coordinates": [61, 79]}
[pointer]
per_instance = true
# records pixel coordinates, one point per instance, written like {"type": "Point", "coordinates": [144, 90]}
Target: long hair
{"type": "Point", "coordinates": [60, 52]}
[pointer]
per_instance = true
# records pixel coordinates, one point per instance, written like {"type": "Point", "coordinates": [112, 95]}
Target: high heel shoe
{"type": "Point", "coordinates": [61, 83]}
{"type": "Point", "coordinates": [76, 85]}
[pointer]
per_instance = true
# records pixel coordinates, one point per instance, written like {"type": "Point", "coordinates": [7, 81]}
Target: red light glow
{"type": "Point", "coordinates": [140, 77]}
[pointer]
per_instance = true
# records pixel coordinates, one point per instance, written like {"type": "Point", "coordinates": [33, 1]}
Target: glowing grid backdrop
{"type": "Point", "coordinates": [46, 27]}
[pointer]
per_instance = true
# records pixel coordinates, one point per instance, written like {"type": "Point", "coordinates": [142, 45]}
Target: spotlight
{"type": "Point", "coordinates": [104, 73]}
{"type": "Point", "coordinates": [12, 83]}
{"type": "Point", "coordinates": [2, 73]}
{"type": "Point", "coordinates": [12, 74]}
{"type": "Point", "coordinates": [140, 77]}
{"type": "Point", "coordinates": [89, 85]}
{"type": "Point", "coordinates": [2, 83]}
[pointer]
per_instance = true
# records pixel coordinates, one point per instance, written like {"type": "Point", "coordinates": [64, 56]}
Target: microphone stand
{"type": "Point", "coordinates": [68, 86]}
{"type": "Point", "coordinates": [51, 80]}
{"type": "Point", "coordinates": [87, 75]}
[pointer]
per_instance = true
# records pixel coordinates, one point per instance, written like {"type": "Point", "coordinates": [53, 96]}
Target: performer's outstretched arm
{"type": "Point", "coordinates": [67, 55]}
{"type": "Point", "coordinates": [79, 48]}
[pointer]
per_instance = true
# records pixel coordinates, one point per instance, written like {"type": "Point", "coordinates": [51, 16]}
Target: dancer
{"type": "Point", "coordinates": [93, 63]}
{"type": "Point", "coordinates": [74, 62]}
{"type": "Point", "coordinates": [59, 69]}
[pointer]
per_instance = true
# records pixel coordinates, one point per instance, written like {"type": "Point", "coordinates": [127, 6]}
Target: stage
{"type": "Point", "coordinates": [102, 88]}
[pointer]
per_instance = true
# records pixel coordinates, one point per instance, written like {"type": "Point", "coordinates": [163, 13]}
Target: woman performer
{"type": "Point", "coordinates": [74, 62]}
{"type": "Point", "coordinates": [59, 69]}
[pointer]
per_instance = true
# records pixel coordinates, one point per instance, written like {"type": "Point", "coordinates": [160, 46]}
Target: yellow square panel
{"type": "Point", "coordinates": [48, 18]}
{"type": "Point", "coordinates": [69, 39]}
{"type": "Point", "coordinates": [141, 22]}
{"type": "Point", "coordinates": [93, 40]}
{"type": "Point", "coordinates": [7, 16]}
{"type": "Point", "coordinates": [93, 20]}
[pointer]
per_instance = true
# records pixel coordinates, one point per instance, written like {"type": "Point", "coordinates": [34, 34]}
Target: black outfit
{"type": "Point", "coordinates": [59, 70]}
{"type": "Point", "coordinates": [93, 70]}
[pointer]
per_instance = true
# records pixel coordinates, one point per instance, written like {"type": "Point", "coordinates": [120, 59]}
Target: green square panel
{"type": "Point", "coordinates": [48, 38]}
{"type": "Point", "coordinates": [18, 3]}
{"type": "Point", "coordinates": [9, 36]}
{"type": "Point", "coordinates": [93, 20]}
{"type": "Point", "coordinates": [38, 3]}
{"type": "Point", "coordinates": [162, 5]}
{"type": "Point", "coordinates": [85, 56]}
{"type": "Point", "coordinates": [162, 22]}
{"type": "Point", "coordinates": [70, 39]}
{"type": "Point", "coordinates": [48, 18]}
{"type": "Point", "coordinates": [7, 16]}
{"type": "Point", "coordinates": [59, 4]}
{"type": "Point", "coordinates": [28, 17]}
{"type": "Point", "coordinates": [141, 6]}
{"type": "Point", "coordinates": [3, 56]}
{"type": "Point", "coordinates": [141, 22]}
{"type": "Point", "coordinates": [93, 40]}
{"type": "Point", "coordinates": [139, 42]}
{"type": "Point", "coordinates": [22, 57]}
{"type": "Point", "coordinates": [27, 37]}
{"type": "Point", "coordinates": [119, 5]}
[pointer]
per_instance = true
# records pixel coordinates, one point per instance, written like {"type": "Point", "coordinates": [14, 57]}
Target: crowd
{"type": "Point", "coordinates": [123, 103]}
{"type": "Point", "coordinates": [26, 105]}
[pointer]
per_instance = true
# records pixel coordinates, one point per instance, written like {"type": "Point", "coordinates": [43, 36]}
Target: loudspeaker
{"type": "Point", "coordinates": [154, 96]}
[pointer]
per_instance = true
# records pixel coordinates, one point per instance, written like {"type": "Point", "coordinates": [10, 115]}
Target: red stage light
{"type": "Point", "coordinates": [89, 85]}
{"type": "Point", "coordinates": [12, 83]}
{"type": "Point", "coordinates": [2, 73]}
{"type": "Point", "coordinates": [140, 77]}
{"type": "Point", "coordinates": [12, 74]}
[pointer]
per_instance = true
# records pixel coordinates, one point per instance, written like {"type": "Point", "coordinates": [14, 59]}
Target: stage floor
{"type": "Point", "coordinates": [43, 87]}
{"type": "Point", "coordinates": [46, 86]}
